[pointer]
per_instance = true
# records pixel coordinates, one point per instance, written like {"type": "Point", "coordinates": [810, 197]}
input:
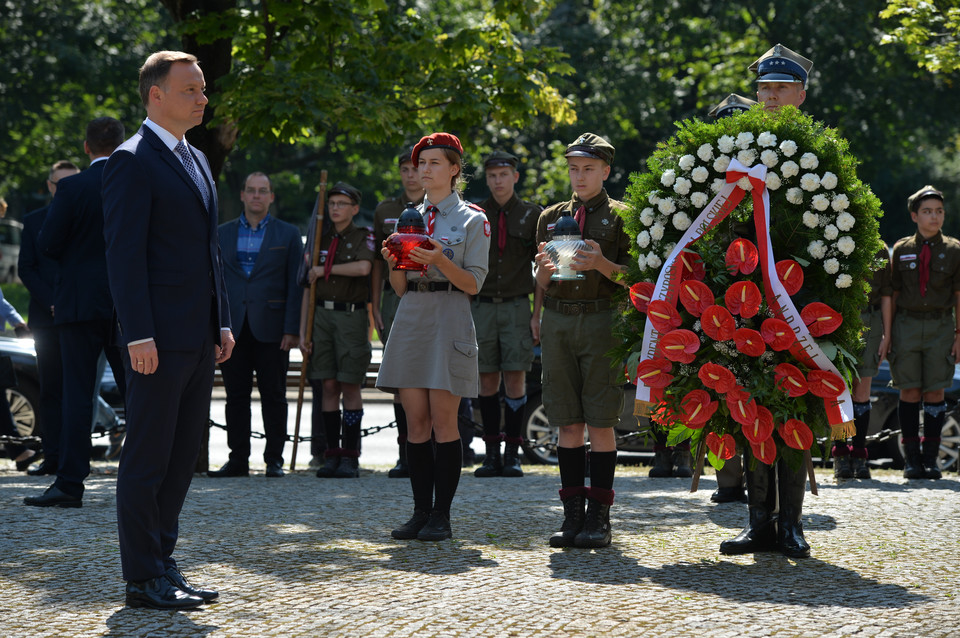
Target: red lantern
{"type": "Point", "coordinates": [743, 298]}
{"type": "Point", "coordinates": [825, 384]}
{"type": "Point", "coordinates": [718, 323]}
{"type": "Point", "coordinates": [789, 379]}
{"type": "Point", "coordinates": [695, 296]}
{"type": "Point", "coordinates": [698, 407]}
{"type": "Point", "coordinates": [679, 345]}
{"type": "Point", "coordinates": [820, 318]}
{"type": "Point", "coordinates": [717, 378]}
{"type": "Point", "coordinates": [749, 342]}
{"type": "Point", "coordinates": [743, 408]}
{"type": "Point", "coordinates": [742, 257]}
{"type": "Point", "coordinates": [663, 316]}
{"type": "Point", "coordinates": [723, 447]}
{"type": "Point", "coordinates": [765, 451]}
{"type": "Point", "coordinates": [796, 434]}
{"type": "Point", "coordinates": [640, 294]}
{"type": "Point", "coordinates": [777, 333]}
{"type": "Point", "coordinates": [791, 275]}
{"type": "Point", "coordinates": [691, 266]}
{"type": "Point", "coordinates": [761, 428]}
{"type": "Point", "coordinates": [655, 373]}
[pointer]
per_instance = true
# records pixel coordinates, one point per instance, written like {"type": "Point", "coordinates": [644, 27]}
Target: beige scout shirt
{"type": "Point", "coordinates": [511, 274]}
{"type": "Point", "coordinates": [944, 279]}
{"type": "Point", "coordinates": [604, 226]}
{"type": "Point", "coordinates": [355, 244]}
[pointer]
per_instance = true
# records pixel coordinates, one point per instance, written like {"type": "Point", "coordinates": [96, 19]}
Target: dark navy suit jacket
{"type": "Point", "coordinates": [38, 271]}
{"type": "Point", "coordinates": [269, 299]}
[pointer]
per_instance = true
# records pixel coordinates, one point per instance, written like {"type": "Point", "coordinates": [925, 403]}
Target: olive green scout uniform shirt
{"type": "Point", "coordinates": [944, 279]}
{"type": "Point", "coordinates": [511, 274]}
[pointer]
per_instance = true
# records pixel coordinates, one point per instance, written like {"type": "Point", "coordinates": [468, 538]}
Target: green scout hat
{"type": "Point", "coordinates": [501, 158]}
{"type": "Point", "coordinates": [913, 202]}
{"type": "Point", "coordinates": [780, 64]}
{"type": "Point", "coordinates": [342, 188]}
{"type": "Point", "coordinates": [731, 105]}
{"type": "Point", "coordinates": [590, 145]}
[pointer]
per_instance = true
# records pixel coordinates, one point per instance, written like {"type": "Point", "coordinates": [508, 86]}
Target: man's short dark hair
{"type": "Point", "coordinates": [155, 70]}
{"type": "Point", "coordinates": [104, 134]}
{"type": "Point", "coordinates": [62, 165]}
{"type": "Point", "coordinates": [258, 174]}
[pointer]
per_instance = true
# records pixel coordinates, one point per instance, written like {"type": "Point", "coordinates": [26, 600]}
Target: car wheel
{"type": "Point", "coordinates": [540, 438]}
{"type": "Point", "coordinates": [23, 401]}
{"type": "Point", "coordinates": [950, 442]}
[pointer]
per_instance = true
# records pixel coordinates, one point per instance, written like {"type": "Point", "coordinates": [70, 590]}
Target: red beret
{"type": "Point", "coordinates": [437, 140]}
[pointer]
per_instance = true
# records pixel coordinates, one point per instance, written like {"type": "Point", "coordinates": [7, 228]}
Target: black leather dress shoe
{"type": "Point", "coordinates": [177, 580]}
{"type": "Point", "coordinates": [160, 593]}
{"type": "Point", "coordinates": [54, 497]}
{"type": "Point", "coordinates": [23, 464]}
{"type": "Point", "coordinates": [48, 467]}
{"type": "Point", "coordinates": [274, 470]}
{"type": "Point", "coordinates": [230, 468]}
{"type": "Point", "coordinates": [729, 495]}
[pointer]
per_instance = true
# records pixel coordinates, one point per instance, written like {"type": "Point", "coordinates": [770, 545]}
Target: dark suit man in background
{"type": "Point", "coordinates": [160, 225]}
{"type": "Point", "coordinates": [38, 272]}
{"type": "Point", "coordinates": [261, 255]}
{"type": "Point", "coordinates": [72, 234]}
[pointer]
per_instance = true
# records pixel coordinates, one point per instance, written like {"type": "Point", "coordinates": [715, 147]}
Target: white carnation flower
{"type": "Point", "coordinates": [747, 158]}
{"type": "Point", "coordinates": [840, 203]}
{"type": "Point", "coordinates": [653, 260]}
{"type": "Point", "coordinates": [682, 186]}
{"type": "Point", "coordinates": [643, 239]}
{"type": "Point", "coordinates": [810, 220]}
{"type": "Point", "coordinates": [717, 185]}
{"type": "Point", "coordinates": [846, 244]}
{"type": "Point", "coordinates": [820, 202]}
{"type": "Point", "coordinates": [809, 182]}
{"type": "Point", "coordinates": [809, 161]}
{"type": "Point", "coordinates": [653, 197]}
{"type": "Point", "coordinates": [795, 195]}
{"type": "Point", "coordinates": [789, 169]}
{"type": "Point", "coordinates": [705, 152]}
{"type": "Point", "coordinates": [828, 181]}
{"type": "Point", "coordinates": [700, 174]}
{"type": "Point", "coordinates": [773, 181]}
{"type": "Point", "coordinates": [817, 249]}
{"type": "Point", "coordinates": [725, 144]}
{"type": "Point", "coordinates": [832, 266]}
{"type": "Point", "coordinates": [745, 139]}
{"type": "Point", "coordinates": [682, 221]}
{"type": "Point", "coordinates": [721, 163]}
{"type": "Point", "coordinates": [744, 183]}
{"type": "Point", "coordinates": [646, 216]}
{"type": "Point", "coordinates": [844, 281]}
{"type": "Point", "coordinates": [699, 200]}
{"type": "Point", "coordinates": [788, 147]}
{"type": "Point", "coordinates": [687, 162]}
{"type": "Point", "coordinates": [669, 249]}
{"type": "Point", "coordinates": [666, 206]}
{"type": "Point", "coordinates": [769, 158]}
{"type": "Point", "coordinates": [767, 139]}
{"type": "Point", "coordinates": [845, 221]}
{"type": "Point", "coordinates": [830, 232]}
{"type": "Point", "coordinates": [668, 177]}
{"type": "Point", "coordinates": [656, 232]}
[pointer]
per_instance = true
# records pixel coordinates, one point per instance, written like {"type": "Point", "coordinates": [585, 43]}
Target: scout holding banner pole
{"type": "Point", "coordinates": [311, 308]}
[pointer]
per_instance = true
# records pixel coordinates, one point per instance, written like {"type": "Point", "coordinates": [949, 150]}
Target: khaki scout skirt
{"type": "Point", "coordinates": [432, 344]}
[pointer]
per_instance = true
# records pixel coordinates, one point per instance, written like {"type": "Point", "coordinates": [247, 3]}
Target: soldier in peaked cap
{"type": "Point", "coordinates": [385, 300]}
{"type": "Point", "coordinates": [581, 386]}
{"type": "Point", "coordinates": [506, 330]}
{"type": "Point", "coordinates": [781, 77]}
{"type": "Point", "coordinates": [925, 343]}
{"type": "Point", "coordinates": [731, 105]}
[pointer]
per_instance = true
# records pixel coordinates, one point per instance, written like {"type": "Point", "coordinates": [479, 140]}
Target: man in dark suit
{"type": "Point", "coordinates": [38, 272]}
{"type": "Point", "coordinates": [160, 226]}
{"type": "Point", "coordinates": [261, 255]}
{"type": "Point", "coordinates": [72, 234]}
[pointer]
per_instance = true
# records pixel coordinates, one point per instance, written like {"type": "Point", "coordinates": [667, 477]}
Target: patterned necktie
{"type": "Point", "coordinates": [190, 165]}
{"type": "Point", "coordinates": [581, 217]}
{"type": "Point", "coordinates": [502, 232]}
{"type": "Point", "coordinates": [924, 268]}
{"type": "Point", "coordinates": [331, 253]}
{"type": "Point", "coordinates": [431, 219]}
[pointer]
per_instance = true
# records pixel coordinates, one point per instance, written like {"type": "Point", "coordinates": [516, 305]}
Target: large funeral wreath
{"type": "Point", "coordinates": [754, 240]}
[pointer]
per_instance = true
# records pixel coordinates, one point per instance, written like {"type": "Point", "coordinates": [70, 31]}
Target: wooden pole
{"type": "Point", "coordinates": [311, 308]}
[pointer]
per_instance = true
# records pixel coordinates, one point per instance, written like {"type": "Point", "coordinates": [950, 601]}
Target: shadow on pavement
{"type": "Point", "coordinates": [126, 622]}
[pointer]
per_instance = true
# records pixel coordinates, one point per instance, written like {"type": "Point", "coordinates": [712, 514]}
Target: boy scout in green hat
{"type": "Point", "coordinates": [506, 330]}
{"type": "Point", "coordinates": [581, 385]}
{"type": "Point", "coordinates": [925, 343]}
{"type": "Point", "coordinates": [340, 327]}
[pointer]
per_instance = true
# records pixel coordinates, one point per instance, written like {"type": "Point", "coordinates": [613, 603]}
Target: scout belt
{"type": "Point", "coordinates": [485, 299]}
{"type": "Point", "coordinates": [925, 314]}
{"type": "Point", "coordinates": [576, 307]}
{"type": "Point", "coordinates": [338, 305]}
{"type": "Point", "coordinates": [431, 286]}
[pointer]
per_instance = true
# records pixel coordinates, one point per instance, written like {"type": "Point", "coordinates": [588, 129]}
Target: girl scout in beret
{"type": "Point", "coordinates": [431, 356]}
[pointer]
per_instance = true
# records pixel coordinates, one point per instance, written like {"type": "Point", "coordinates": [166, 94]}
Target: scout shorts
{"type": "Point", "coordinates": [920, 352]}
{"type": "Point", "coordinates": [389, 302]}
{"type": "Point", "coordinates": [341, 349]}
{"type": "Point", "coordinates": [873, 334]}
{"type": "Point", "coordinates": [580, 383]}
{"type": "Point", "coordinates": [503, 334]}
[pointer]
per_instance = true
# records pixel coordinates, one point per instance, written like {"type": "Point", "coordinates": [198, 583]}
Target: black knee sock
{"type": "Point", "coordinates": [603, 466]}
{"type": "Point", "coordinates": [513, 416]}
{"type": "Point", "coordinates": [861, 418]}
{"type": "Point", "coordinates": [446, 473]}
{"type": "Point", "coordinates": [351, 429]}
{"type": "Point", "coordinates": [573, 466]}
{"type": "Point", "coordinates": [490, 413]}
{"type": "Point", "coordinates": [421, 463]}
{"type": "Point", "coordinates": [318, 433]}
{"type": "Point", "coordinates": [401, 417]}
{"type": "Point", "coordinates": [331, 426]}
{"type": "Point", "coordinates": [933, 417]}
{"type": "Point", "coordinates": [909, 415]}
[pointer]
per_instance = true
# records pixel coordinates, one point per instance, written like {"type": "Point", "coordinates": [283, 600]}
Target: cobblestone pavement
{"type": "Point", "coordinates": [301, 556]}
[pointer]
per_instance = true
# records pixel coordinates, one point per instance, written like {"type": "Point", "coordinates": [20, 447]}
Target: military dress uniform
{"type": "Point", "coordinates": [341, 347]}
{"type": "Point", "coordinates": [501, 313]}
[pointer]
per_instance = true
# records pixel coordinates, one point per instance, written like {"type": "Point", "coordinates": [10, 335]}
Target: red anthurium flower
{"type": "Point", "coordinates": [825, 384]}
{"type": "Point", "coordinates": [742, 257]}
{"type": "Point", "coordinates": [655, 373]}
{"type": "Point", "coordinates": [743, 408]}
{"type": "Point", "coordinates": [791, 274]}
{"type": "Point", "coordinates": [790, 380]}
{"type": "Point", "coordinates": [691, 266]}
{"type": "Point", "coordinates": [761, 428]}
{"type": "Point", "coordinates": [663, 316]}
{"type": "Point", "coordinates": [765, 451]}
{"type": "Point", "coordinates": [695, 296]}
{"type": "Point", "coordinates": [777, 333]}
{"type": "Point", "coordinates": [679, 345]}
{"type": "Point", "coordinates": [717, 378]}
{"type": "Point", "coordinates": [665, 416]}
{"type": "Point", "coordinates": [820, 318]}
{"type": "Point", "coordinates": [749, 342]}
{"type": "Point", "coordinates": [640, 294]}
{"type": "Point", "coordinates": [796, 434]}
{"type": "Point", "coordinates": [723, 447]}
{"type": "Point", "coordinates": [718, 323]}
{"type": "Point", "coordinates": [743, 298]}
{"type": "Point", "coordinates": [698, 407]}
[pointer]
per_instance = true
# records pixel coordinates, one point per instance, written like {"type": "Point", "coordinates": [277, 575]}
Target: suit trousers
{"type": "Point", "coordinates": [167, 413]}
{"type": "Point", "coordinates": [81, 343]}
{"type": "Point", "coordinates": [270, 363]}
{"type": "Point", "coordinates": [46, 341]}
